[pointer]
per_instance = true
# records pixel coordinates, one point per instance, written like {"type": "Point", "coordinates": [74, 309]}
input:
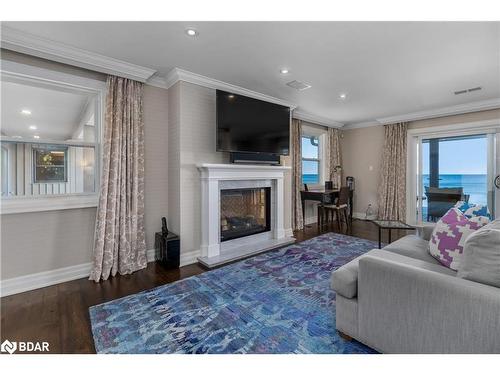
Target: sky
{"type": "Point", "coordinates": [464, 156]}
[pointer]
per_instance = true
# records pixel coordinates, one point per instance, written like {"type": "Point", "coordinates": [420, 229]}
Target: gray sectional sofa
{"type": "Point", "coordinates": [399, 299]}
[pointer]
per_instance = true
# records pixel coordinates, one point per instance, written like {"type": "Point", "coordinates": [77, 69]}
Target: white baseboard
{"type": "Point", "coordinates": [47, 278]}
{"type": "Point", "coordinates": [362, 216]}
{"type": "Point", "coordinates": [150, 255]}
{"type": "Point", "coordinates": [42, 279]}
{"type": "Point", "coordinates": [311, 220]}
{"type": "Point", "coordinates": [358, 215]}
{"type": "Point", "coordinates": [190, 257]}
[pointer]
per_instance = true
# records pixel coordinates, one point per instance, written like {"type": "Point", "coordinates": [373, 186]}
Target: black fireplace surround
{"type": "Point", "coordinates": [244, 212]}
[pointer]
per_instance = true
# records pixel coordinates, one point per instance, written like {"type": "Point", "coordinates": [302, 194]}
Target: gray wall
{"type": "Point", "coordinates": [197, 145]}
{"type": "Point", "coordinates": [43, 241]}
{"type": "Point", "coordinates": [156, 160]}
{"type": "Point", "coordinates": [174, 158]}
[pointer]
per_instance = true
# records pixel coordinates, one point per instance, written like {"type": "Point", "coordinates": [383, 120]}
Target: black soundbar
{"type": "Point", "coordinates": [254, 158]}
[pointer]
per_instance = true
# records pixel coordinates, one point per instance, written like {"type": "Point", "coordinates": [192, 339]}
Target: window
{"type": "Point", "coordinates": [49, 140]}
{"type": "Point", "coordinates": [450, 163]}
{"type": "Point", "coordinates": [49, 164]}
{"type": "Point", "coordinates": [449, 175]}
{"type": "Point", "coordinates": [310, 160]}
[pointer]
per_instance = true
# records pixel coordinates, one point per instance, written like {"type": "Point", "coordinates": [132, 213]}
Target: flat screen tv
{"type": "Point", "coordinates": [250, 125]}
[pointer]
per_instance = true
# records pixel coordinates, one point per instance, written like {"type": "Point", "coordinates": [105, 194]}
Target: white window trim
{"type": "Point", "coordinates": [27, 73]}
{"type": "Point", "coordinates": [321, 133]}
{"type": "Point", "coordinates": [469, 128]}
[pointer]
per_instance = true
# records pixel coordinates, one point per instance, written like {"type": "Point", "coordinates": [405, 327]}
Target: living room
{"type": "Point", "coordinates": [252, 187]}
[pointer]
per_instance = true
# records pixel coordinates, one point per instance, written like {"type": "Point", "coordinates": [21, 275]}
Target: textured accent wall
{"type": "Point", "coordinates": [174, 159]}
{"type": "Point", "coordinates": [156, 160]}
{"type": "Point", "coordinates": [197, 145]}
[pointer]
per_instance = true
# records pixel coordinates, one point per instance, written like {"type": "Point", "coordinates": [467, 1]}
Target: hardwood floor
{"type": "Point", "coordinates": [59, 314]}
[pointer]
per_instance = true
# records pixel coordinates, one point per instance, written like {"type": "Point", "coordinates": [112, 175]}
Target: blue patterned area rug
{"type": "Point", "coordinates": [275, 302]}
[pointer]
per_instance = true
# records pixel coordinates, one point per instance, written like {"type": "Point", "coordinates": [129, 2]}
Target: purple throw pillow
{"type": "Point", "coordinates": [449, 235]}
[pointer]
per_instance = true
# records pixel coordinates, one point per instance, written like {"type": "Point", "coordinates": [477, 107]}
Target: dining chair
{"type": "Point", "coordinates": [341, 207]}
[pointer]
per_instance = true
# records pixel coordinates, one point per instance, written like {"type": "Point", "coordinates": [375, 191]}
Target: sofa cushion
{"type": "Point", "coordinates": [425, 230]}
{"type": "Point", "coordinates": [412, 246]}
{"type": "Point", "coordinates": [449, 236]}
{"type": "Point", "coordinates": [481, 256]}
{"type": "Point", "coordinates": [471, 210]}
{"type": "Point", "coordinates": [345, 279]}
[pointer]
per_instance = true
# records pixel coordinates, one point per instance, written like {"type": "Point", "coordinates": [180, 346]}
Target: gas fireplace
{"type": "Point", "coordinates": [244, 212]}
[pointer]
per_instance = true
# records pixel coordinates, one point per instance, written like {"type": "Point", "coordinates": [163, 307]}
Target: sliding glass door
{"type": "Point", "coordinates": [453, 168]}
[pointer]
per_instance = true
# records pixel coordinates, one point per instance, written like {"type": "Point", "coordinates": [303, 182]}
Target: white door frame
{"type": "Point", "coordinates": [413, 170]}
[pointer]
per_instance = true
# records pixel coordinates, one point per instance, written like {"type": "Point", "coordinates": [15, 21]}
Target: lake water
{"type": "Point", "coordinates": [310, 178]}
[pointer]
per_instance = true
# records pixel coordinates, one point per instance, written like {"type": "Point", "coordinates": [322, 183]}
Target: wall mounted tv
{"type": "Point", "coordinates": [250, 125]}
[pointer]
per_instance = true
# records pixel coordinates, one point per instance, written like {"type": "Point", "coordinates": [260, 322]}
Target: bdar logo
{"type": "Point", "coordinates": [24, 346]}
{"type": "Point", "coordinates": [8, 347]}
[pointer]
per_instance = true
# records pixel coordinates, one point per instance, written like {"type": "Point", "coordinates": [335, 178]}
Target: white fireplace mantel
{"type": "Point", "coordinates": [215, 177]}
{"type": "Point", "coordinates": [241, 171]}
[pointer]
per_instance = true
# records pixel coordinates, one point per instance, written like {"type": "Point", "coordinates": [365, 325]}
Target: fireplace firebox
{"type": "Point", "coordinates": [244, 212]}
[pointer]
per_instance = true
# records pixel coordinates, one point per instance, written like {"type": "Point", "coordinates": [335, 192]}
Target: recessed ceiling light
{"type": "Point", "coordinates": [33, 127]}
{"type": "Point", "coordinates": [231, 96]}
{"type": "Point", "coordinates": [191, 32]}
{"type": "Point", "coordinates": [284, 71]}
{"type": "Point", "coordinates": [36, 136]}
{"type": "Point", "coordinates": [16, 136]}
{"type": "Point", "coordinates": [343, 96]}
{"type": "Point", "coordinates": [26, 112]}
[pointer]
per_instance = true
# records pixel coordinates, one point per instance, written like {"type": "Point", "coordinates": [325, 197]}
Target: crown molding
{"type": "Point", "coordinates": [360, 125]}
{"type": "Point", "coordinates": [157, 81]}
{"type": "Point", "coordinates": [176, 75]}
{"type": "Point", "coordinates": [30, 44]}
{"type": "Point", "coordinates": [459, 109]}
{"type": "Point", "coordinates": [316, 119]}
{"type": "Point", "coordinates": [482, 105]}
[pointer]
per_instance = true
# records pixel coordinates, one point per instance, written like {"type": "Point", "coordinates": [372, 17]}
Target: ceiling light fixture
{"type": "Point", "coordinates": [191, 32]}
{"type": "Point", "coordinates": [26, 112]}
{"type": "Point", "coordinates": [36, 136]}
{"type": "Point", "coordinates": [33, 127]}
{"type": "Point", "coordinates": [284, 71]}
{"type": "Point", "coordinates": [343, 96]}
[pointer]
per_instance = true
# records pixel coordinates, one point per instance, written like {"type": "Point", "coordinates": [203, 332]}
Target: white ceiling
{"type": "Point", "coordinates": [385, 68]}
{"type": "Point", "coordinates": [56, 114]}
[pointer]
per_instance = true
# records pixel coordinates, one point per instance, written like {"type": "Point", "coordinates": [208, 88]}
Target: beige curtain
{"type": "Point", "coordinates": [392, 189]}
{"type": "Point", "coordinates": [334, 157]}
{"type": "Point", "coordinates": [119, 244]}
{"type": "Point", "coordinates": [296, 174]}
